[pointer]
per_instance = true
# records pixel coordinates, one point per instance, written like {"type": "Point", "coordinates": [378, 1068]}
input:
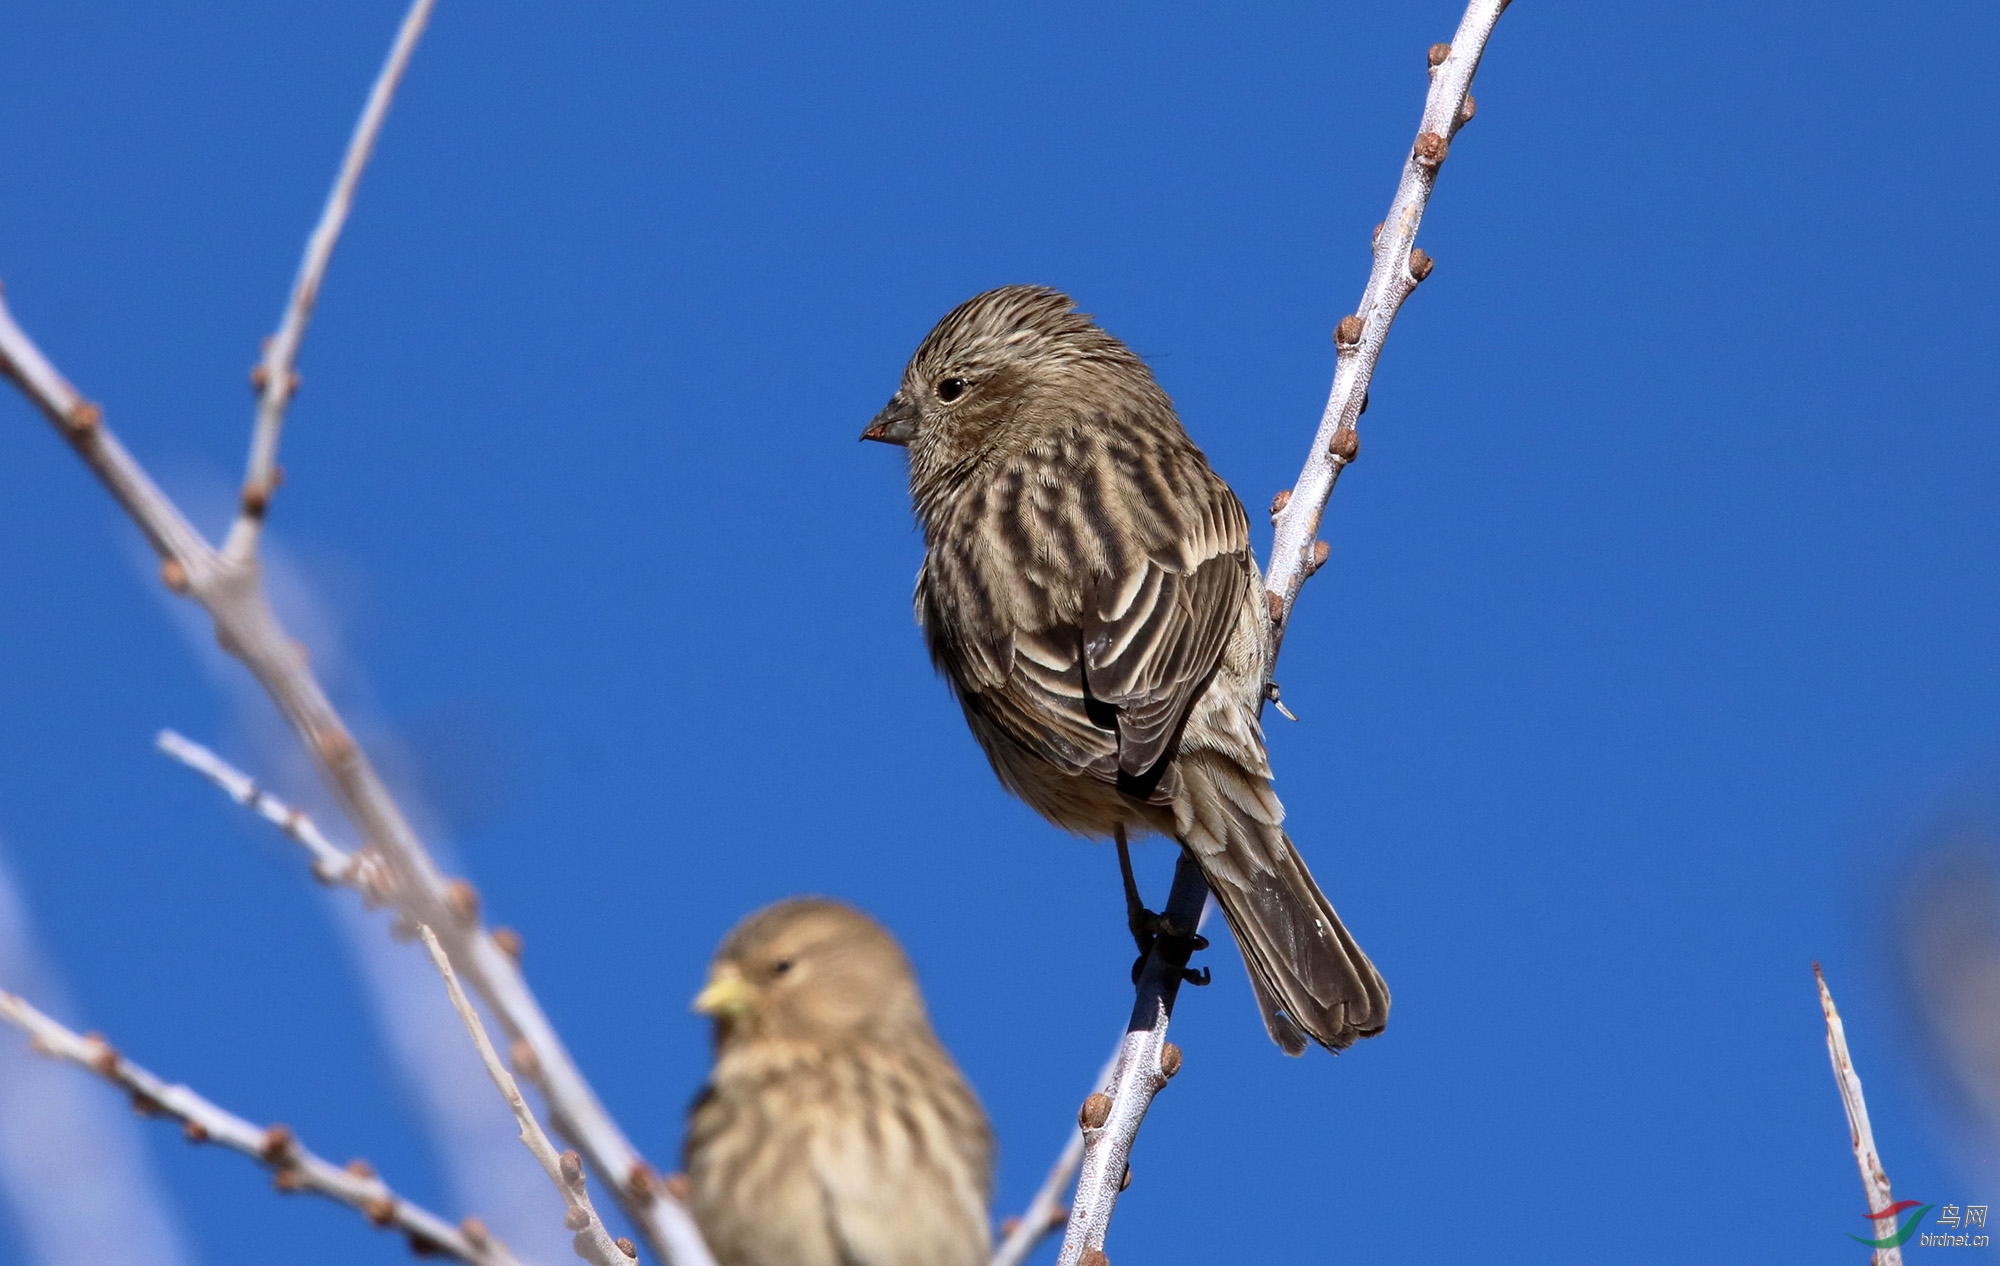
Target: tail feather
{"type": "Point", "coordinates": [1311, 979]}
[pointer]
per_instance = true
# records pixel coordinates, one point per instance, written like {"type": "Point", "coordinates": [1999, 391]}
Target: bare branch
{"type": "Point", "coordinates": [229, 588]}
{"type": "Point", "coordinates": [292, 1165]}
{"type": "Point", "coordinates": [670, 1222]}
{"type": "Point", "coordinates": [1399, 267]}
{"type": "Point", "coordinates": [593, 1243]}
{"type": "Point", "coordinates": [1874, 1180]}
{"type": "Point", "coordinates": [1046, 1212]}
{"type": "Point", "coordinates": [276, 376]}
{"type": "Point", "coordinates": [331, 864]}
{"type": "Point", "coordinates": [1142, 1065]}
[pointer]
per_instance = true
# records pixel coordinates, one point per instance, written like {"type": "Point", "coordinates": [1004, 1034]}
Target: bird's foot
{"type": "Point", "coordinates": [1176, 942]}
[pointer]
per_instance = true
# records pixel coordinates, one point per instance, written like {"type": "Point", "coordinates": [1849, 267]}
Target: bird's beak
{"type": "Point", "coordinates": [725, 995]}
{"type": "Point", "coordinates": [896, 424]}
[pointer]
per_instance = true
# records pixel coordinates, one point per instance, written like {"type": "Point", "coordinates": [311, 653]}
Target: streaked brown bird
{"type": "Point", "coordinates": [834, 1130]}
{"type": "Point", "coordinates": [1088, 592]}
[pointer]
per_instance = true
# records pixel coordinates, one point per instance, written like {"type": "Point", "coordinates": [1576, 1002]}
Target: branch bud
{"type": "Point", "coordinates": [1321, 552]}
{"type": "Point", "coordinates": [1125, 1179]}
{"type": "Point", "coordinates": [1430, 150]}
{"type": "Point", "coordinates": [1438, 53]}
{"type": "Point", "coordinates": [1278, 504]}
{"type": "Point", "coordinates": [1095, 1111]}
{"type": "Point", "coordinates": [195, 1131]}
{"type": "Point", "coordinates": [1466, 111]}
{"type": "Point", "coordinates": [639, 1180]}
{"type": "Point", "coordinates": [627, 1247]}
{"type": "Point", "coordinates": [174, 575]}
{"type": "Point", "coordinates": [1348, 332]}
{"type": "Point", "coordinates": [1421, 264]}
{"type": "Point", "coordinates": [509, 942]}
{"type": "Point", "coordinates": [83, 418]}
{"type": "Point", "coordinates": [678, 1187]}
{"type": "Point", "coordinates": [334, 745]}
{"type": "Point", "coordinates": [277, 1144]}
{"type": "Point", "coordinates": [1093, 1257]}
{"type": "Point", "coordinates": [1345, 445]}
{"type": "Point", "coordinates": [381, 1211]}
{"type": "Point", "coordinates": [103, 1055]}
{"type": "Point", "coordinates": [359, 1168]}
{"type": "Point", "coordinates": [288, 1180]}
{"type": "Point", "coordinates": [1277, 605]}
{"type": "Point", "coordinates": [463, 901]}
{"type": "Point", "coordinates": [524, 1059]}
{"type": "Point", "coordinates": [1170, 1055]}
{"type": "Point", "coordinates": [571, 1166]}
{"type": "Point", "coordinates": [576, 1219]}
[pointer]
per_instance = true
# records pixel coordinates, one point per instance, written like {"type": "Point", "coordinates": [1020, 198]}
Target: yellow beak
{"type": "Point", "coordinates": [727, 994]}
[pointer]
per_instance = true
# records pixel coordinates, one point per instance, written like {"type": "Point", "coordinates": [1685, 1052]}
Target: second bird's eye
{"type": "Point", "coordinates": [951, 389]}
{"type": "Point", "coordinates": [780, 967]}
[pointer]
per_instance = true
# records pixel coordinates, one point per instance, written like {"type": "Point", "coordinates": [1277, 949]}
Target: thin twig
{"type": "Point", "coordinates": [593, 1243]}
{"type": "Point", "coordinates": [1046, 1212]}
{"type": "Point", "coordinates": [230, 589]}
{"type": "Point", "coordinates": [276, 376]}
{"type": "Point", "coordinates": [1295, 555]}
{"type": "Point", "coordinates": [292, 1165]}
{"type": "Point", "coordinates": [331, 864]}
{"type": "Point", "coordinates": [1874, 1180]}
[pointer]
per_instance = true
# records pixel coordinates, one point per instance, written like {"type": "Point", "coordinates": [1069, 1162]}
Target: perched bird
{"type": "Point", "coordinates": [1088, 592]}
{"type": "Point", "coordinates": [834, 1129]}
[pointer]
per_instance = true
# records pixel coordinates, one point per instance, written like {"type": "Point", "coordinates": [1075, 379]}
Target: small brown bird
{"type": "Point", "coordinates": [1088, 592]}
{"type": "Point", "coordinates": [834, 1129]}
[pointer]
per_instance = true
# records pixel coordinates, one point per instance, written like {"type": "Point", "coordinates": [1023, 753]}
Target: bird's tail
{"type": "Point", "coordinates": [1312, 980]}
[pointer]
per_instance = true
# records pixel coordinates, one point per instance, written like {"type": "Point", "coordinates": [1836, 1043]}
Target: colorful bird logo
{"type": "Point", "coordinates": [1903, 1232]}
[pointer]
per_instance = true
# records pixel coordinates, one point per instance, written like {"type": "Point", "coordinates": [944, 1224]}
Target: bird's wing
{"type": "Point", "coordinates": [1082, 612]}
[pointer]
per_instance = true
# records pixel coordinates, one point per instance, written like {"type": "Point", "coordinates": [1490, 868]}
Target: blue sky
{"type": "Point", "coordinates": [1659, 615]}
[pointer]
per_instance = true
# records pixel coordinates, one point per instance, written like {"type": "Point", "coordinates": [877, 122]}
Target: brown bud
{"type": "Point", "coordinates": [463, 900]}
{"type": "Point", "coordinates": [359, 1168]}
{"type": "Point", "coordinates": [1430, 150]}
{"type": "Point", "coordinates": [1376, 236]}
{"type": "Point", "coordinates": [147, 1106]}
{"type": "Point", "coordinates": [1008, 1226]}
{"type": "Point", "coordinates": [1364, 405]}
{"type": "Point", "coordinates": [381, 1211]}
{"type": "Point", "coordinates": [255, 500]}
{"type": "Point", "coordinates": [571, 1166]}
{"type": "Point", "coordinates": [678, 1186]}
{"type": "Point", "coordinates": [475, 1232]}
{"type": "Point", "coordinates": [277, 1144]}
{"type": "Point", "coordinates": [1466, 111]}
{"type": "Point", "coordinates": [627, 1247]}
{"type": "Point", "coordinates": [422, 1245]}
{"type": "Point", "coordinates": [258, 377]}
{"type": "Point", "coordinates": [1279, 502]}
{"type": "Point", "coordinates": [1170, 1060]}
{"type": "Point", "coordinates": [509, 942]}
{"type": "Point", "coordinates": [174, 575]}
{"type": "Point", "coordinates": [1348, 332]}
{"type": "Point", "coordinates": [1277, 606]}
{"type": "Point", "coordinates": [335, 747]}
{"type": "Point", "coordinates": [1125, 1179]}
{"type": "Point", "coordinates": [103, 1055]}
{"type": "Point", "coordinates": [1421, 264]}
{"type": "Point", "coordinates": [83, 418]}
{"type": "Point", "coordinates": [524, 1059]}
{"type": "Point", "coordinates": [640, 1178]}
{"type": "Point", "coordinates": [1093, 1257]}
{"type": "Point", "coordinates": [576, 1219]}
{"type": "Point", "coordinates": [1095, 1111]}
{"type": "Point", "coordinates": [195, 1131]}
{"type": "Point", "coordinates": [1346, 444]}
{"type": "Point", "coordinates": [1438, 53]}
{"type": "Point", "coordinates": [1321, 552]}
{"type": "Point", "coordinates": [287, 1179]}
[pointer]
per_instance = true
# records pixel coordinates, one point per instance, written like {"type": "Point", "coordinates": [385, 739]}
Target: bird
{"type": "Point", "coordinates": [1089, 594]}
{"type": "Point", "coordinates": [834, 1128]}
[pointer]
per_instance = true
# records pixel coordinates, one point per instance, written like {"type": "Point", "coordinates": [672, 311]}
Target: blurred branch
{"type": "Point", "coordinates": [593, 1243]}
{"type": "Point", "coordinates": [1112, 1125]}
{"type": "Point", "coordinates": [228, 585]}
{"type": "Point", "coordinates": [331, 864]}
{"type": "Point", "coordinates": [293, 1167]}
{"type": "Point", "coordinates": [276, 377]}
{"type": "Point", "coordinates": [1874, 1181]}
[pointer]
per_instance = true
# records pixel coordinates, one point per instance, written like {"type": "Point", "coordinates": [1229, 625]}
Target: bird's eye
{"type": "Point", "coordinates": [951, 389]}
{"type": "Point", "coordinates": [780, 967]}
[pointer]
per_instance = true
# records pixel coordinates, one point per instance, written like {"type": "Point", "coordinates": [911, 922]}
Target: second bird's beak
{"type": "Point", "coordinates": [896, 424]}
{"type": "Point", "coordinates": [727, 994]}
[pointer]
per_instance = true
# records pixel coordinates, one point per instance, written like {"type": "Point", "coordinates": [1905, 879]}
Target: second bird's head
{"type": "Point", "coordinates": [815, 971]}
{"type": "Point", "coordinates": [1001, 370]}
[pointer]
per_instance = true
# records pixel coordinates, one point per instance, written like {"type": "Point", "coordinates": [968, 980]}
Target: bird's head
{"type": "Point", "coordinates": [811, 970]}
{"type": "Point", "coordinates": [996, 372]}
